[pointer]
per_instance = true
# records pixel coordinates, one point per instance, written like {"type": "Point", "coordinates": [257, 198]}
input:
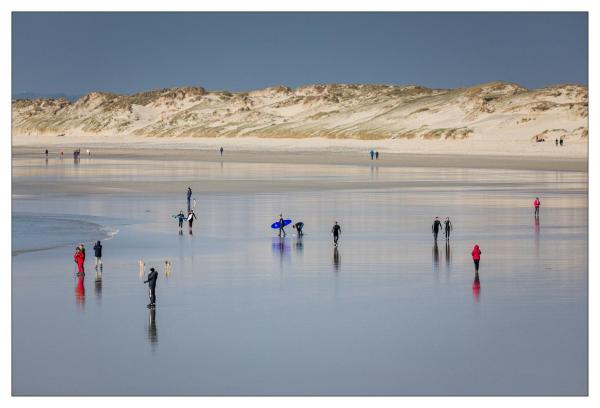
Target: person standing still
{"type": "Point", "coordinates": [151, 281]}
{"type": "Point", "coordinates": [536, 207]}
{"type": "Point", "coordinates": [189, 198]}
{"type": "Point", "coordinates": [98, 254]}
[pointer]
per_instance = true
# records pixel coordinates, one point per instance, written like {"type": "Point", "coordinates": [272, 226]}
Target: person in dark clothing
{"type": "Point", "coordinates": [221, 150]}
{"type": "Point", "coordinates": [372, 153]}
{"type": "Point", "coordinates": [180, 218]}
{"type": "Point", "coordinates": [189, 197]}
{"type": "Point", "coordinates": [46, 152]}
{"type": "Point", "coordinates": [336, 231]}
{"type": "Point", "coordinates": [151, 281]}
{"type": "Point", "coordinates": [298, 227]}
{"type": "Point", "coordinates": [281, 226]}
{"type": "Point", "coordinates": [376, 155]}
{"type": "Point", "coordinates": [436, 227]}
{"type": "Point", "coordinates": [191, 218]}
{"type": "Point", "coordinates": [447, 228]}
{"type": "Point", "coordinates": [98, 254]}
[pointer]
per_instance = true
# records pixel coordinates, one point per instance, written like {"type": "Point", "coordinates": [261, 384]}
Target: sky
{"type": "Point", "coordinates": [76, 53]}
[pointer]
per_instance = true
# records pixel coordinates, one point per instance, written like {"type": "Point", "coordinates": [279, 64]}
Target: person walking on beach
{"type": "Point", "coordinates": [78, 258]}
{"type": "Point", "coordinates": [98, 254]}
{"type": "Point", "coordinates": [476, 254]}
{"type": "Point", "coordinates": [180, 218]}
{"type": "Point", "coordinates": [447, 227]}
{"type": "Point", "coordinates": [221, 150]}
{"type": "Point", "coordinates": [336, 231]}
{"type": "Point", "coordinates": [298, 227]}
{"type": "Point", "coordinates": [191, 218]}
{"type": "Point", "coordinates": [189, 197]}
{"type": "Point", "coordinates": [281, 226]}
{"type": "Point", "coordinates": [46, 153]}
{"type": "Point", "coordinates": [372, 154]}
{"type": "Point", "coordinates": [151, 281]}
{"type": "Point", "coordinates": [436, 227]}
{"type": "Point", "coordinates": [377, 155]}
{"type": "Point", "coordinates": [536, 207]}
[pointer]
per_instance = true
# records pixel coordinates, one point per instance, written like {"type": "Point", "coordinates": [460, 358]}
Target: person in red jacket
{"type": "Point", "coordinates": [476, 254]}
{"type": "Point", "coordinates": [78, 258]}
{"type": "Point", "coordinates": [536, 207]}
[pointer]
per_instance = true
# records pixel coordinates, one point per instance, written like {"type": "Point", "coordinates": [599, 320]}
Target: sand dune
{"type": "Point", "coordinates": [493, 118]}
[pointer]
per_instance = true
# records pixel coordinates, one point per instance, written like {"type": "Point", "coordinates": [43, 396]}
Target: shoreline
{"type": "Point", "coordinates": [347, 157]}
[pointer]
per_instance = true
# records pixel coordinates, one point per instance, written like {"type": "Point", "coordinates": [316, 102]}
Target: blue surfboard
{"type": "Point", "coordinates": [275, 225]}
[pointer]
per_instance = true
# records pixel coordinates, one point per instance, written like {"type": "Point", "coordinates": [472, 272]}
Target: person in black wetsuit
{"type": "Point", "coordinates": [447, 228]}
{"type": "Point", "coordinates": [180, 218]}
{"type": "Point", "coordinates": [189, 197]}
{"type": "Point", "coordinates": [336, 231]}
{"type": "Point", "coordinates": [281, 225]}
{"type": "Point", "coordinates": [191, 218]}
{"type": "Point", "coordinates": [298, 227]}
{"type": "Point", "coordinates": [436, 227]}
{"type": "Point", "coordinates": [151, 281]}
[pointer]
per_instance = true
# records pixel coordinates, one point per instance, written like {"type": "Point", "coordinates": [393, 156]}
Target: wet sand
{"type": "Point", "coordinates": [314, 157]}
{"type": "Point", "coordinates": [388, 312]}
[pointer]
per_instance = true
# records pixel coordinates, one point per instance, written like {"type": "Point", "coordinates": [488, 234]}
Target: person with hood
{"type": "Point", "coordinates": [336, 231]}
{"type": "Point", "coordinates": [536, 207]}
{"type": "Point", "coordinates": [436, 227]}
{"type": "Point", "coordinates": [447, 227]}
{"type": "Point", "coordinates": [98, 254]}
{"type": "Point", "coordinates": [78, 259]}
{"type": "Point", "coordinates": [180, 218]}
{"type": "Point", "coordinates": [82, 249]}
{"type": "Point", "coordinates": [476, 254]}
{"type": "Point", "coordinates": [151, 281]}
{"type": "Point", "coordinates": [191, 217]}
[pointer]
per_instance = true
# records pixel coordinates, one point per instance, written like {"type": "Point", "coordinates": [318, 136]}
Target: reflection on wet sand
{"type": "Point", "coordinates": [98, 284]}
{"type": "Point", "coordinates": [476, 287]}
{"type": "Point", "coordinates": [299, 245]}
{"type": "Point", "coordinates": [435, 256]}
{"type": "Point", "coordinates": [336, 259]}
{"type": "Point", "coordinates": [448, 254]}
{"type": "Point", "coordinates": [80, 291]}
{"type": "Point", "coordinates": [536, 231]}
{"type": "Point", "coordinates": [152, 331]}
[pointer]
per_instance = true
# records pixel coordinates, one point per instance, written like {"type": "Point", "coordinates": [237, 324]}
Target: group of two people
{"type": "Point", "coordinates": [374, 154]}
{"type": "Point", "coordinates": [182, 217]}
{"type": "Point", "coordinates": [437, 226]}
{"type": "Point", "coordinates": [79, 257]}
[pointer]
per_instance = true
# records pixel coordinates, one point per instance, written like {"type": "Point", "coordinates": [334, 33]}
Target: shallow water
{"type": "Point", "coordinates": [243, 312]}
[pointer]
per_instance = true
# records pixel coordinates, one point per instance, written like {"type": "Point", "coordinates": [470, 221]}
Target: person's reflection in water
{"type": "Point", "coordinates": [536, 230]}
{"type": "Point", "coordinates": [299, 244]}
{"type": "Point", "coordinates": [336, 259]}
{"type": "Point", "coordinates": [80, 292]}
{"type": "Point", "coordinates": [98, 284]}
{"type": "Point", "coordinates": [476, 287]}
{"type": "Point", "coordinates": [152, 331]}
{"type": "Point", "coordinates": [436, 256]}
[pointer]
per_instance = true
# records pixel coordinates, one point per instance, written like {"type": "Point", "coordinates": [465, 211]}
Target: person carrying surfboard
{"type": "Point", "coordinates": [190, 218]}
{"type": "Point", "coordinates": [281, 225]}
{"type": "Point", "coordinates": [336, 231]}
